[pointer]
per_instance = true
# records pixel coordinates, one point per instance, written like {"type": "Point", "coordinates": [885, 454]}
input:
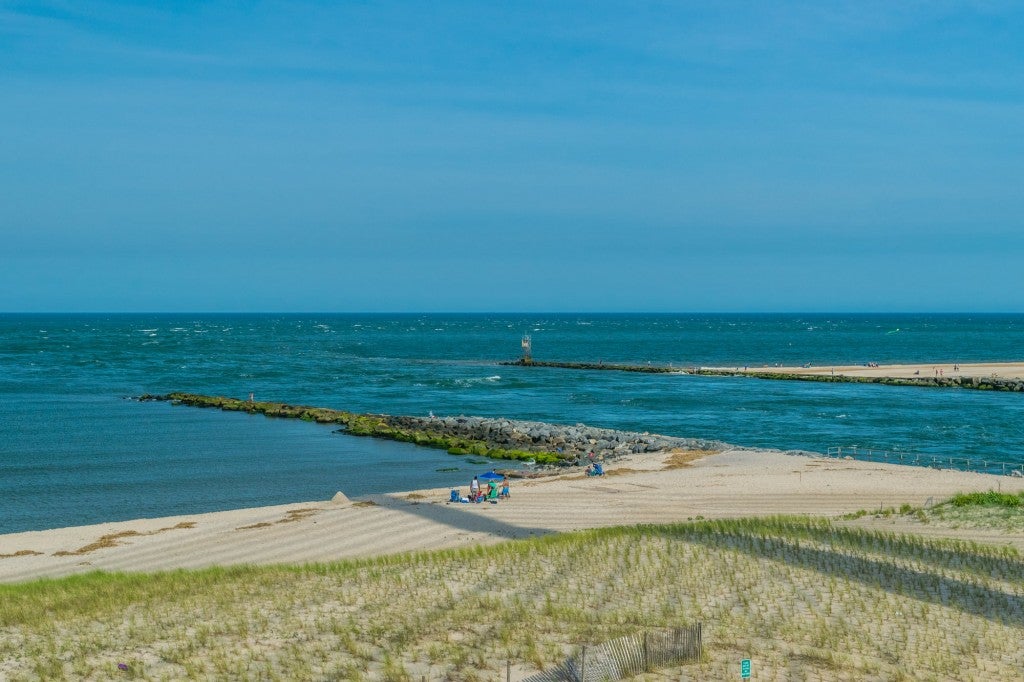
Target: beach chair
{"type": "Point", "coordinates": [455, 496]}
{"type": "Point", "coordinates": [492, 491]}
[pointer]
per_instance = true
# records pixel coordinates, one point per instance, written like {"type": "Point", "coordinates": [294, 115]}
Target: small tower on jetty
{"type": "Point", "coordinates": [527, 344]}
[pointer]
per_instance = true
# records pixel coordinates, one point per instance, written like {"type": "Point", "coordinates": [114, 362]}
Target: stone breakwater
{"type": "Point", "coordinates": [510, 439]}
{"type": "Point", "coordinates": [644, 369]}
{"type": "Point", "coordinates": [573, 443]}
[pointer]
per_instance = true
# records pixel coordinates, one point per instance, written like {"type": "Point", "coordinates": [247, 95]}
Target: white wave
{"type": "Point", "coordinates": [477, 380]}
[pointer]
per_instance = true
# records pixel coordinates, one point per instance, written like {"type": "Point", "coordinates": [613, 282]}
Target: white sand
{"type": "Point", "coordinates": [729, 484]}
{"type": "Point", "coordinates": [1002, 370]}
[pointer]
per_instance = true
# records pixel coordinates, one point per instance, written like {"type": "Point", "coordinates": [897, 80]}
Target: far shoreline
{"type": "Point", "coordinates": [990, 376]}
{"type": "Point", "coordinates": [1013, 369]}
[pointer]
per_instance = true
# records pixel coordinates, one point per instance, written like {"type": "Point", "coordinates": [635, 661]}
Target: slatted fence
{"type": "Point", "coordinates": [627, 656]}
{"type": "Point", "coordinates": [935, 461]}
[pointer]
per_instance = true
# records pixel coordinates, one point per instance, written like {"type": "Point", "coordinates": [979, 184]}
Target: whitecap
{"type": "Point", "coordinates": [476, 380]}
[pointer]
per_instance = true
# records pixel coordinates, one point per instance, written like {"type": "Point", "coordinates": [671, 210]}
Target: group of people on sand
{"type": "Point", "coordinates": [491, 492]}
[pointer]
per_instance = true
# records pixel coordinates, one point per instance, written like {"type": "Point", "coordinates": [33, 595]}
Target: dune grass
{"type": "Point", "coordinates": [989, 498]}
{"type": "Point", "coordinates": [803, 598]}
{"type": "Point", "coordinates": [987, 510]}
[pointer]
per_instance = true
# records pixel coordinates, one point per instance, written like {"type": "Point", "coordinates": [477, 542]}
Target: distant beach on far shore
{"type": "Point", "coordinates": [980, 370]}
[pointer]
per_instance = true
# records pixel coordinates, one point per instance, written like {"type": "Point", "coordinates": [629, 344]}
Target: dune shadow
{"type": "Point", "coordinates": [459, 516]}
{"type": "Point", "coordinates": [988, 602]}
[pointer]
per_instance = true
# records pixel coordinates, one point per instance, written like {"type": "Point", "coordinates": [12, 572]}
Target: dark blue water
{"type": "Point", "coordinates": [73, 451]}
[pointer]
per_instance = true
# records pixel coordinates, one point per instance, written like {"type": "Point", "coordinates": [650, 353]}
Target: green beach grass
{"type": "Point", "coordinates": [803, 598]}
{"type": "Point", "coordinates": [983, 510]}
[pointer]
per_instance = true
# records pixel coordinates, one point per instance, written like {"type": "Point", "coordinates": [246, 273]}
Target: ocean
{"type": "Point", "coordinates": [74, 450]}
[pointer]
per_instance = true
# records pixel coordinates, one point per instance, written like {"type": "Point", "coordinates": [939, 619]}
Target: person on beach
{"type": "Point", "coordinates": [474, 488]}
{"type": "Point", "coordinates": [504, 488]}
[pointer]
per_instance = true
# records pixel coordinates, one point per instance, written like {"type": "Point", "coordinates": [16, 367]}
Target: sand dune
{"type": "Point", "coordinates": [638, 489]}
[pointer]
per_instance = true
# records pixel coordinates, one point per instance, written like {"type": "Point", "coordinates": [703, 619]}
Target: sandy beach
{"type": "Point", "coordinates": [638, 489]}
{"type": "Point", "coordinates": [999, 370]}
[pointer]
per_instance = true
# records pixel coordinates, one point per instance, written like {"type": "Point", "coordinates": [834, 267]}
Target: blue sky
{"type": "Point", "coordinates": [486, 156]}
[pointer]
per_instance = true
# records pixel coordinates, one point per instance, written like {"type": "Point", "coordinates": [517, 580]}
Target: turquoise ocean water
{"type": "Point", "coordinates": [74, 451]}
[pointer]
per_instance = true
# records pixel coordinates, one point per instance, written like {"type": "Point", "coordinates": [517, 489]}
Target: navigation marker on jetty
{"type": "Point", "coordinates": [527, 344]}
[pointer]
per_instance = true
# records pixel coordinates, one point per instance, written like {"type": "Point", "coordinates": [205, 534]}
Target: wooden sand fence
{"type": "Point", "coordinates": [627, 656]}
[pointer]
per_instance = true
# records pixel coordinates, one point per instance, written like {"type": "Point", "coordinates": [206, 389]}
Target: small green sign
{"type": "Point", "coordinates": [745, 668]}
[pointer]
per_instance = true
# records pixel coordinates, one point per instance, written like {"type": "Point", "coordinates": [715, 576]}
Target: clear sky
{"type": "Point", "coordinates": [511, 156]}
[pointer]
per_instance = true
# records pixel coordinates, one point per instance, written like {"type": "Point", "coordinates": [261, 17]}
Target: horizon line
{"type": "Point", "coordinates": [511, 312]}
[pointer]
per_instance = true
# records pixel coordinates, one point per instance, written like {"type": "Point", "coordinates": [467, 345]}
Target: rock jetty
{"type": "Point", "coordinates": [571, 443]}
{"type": "Point", "coordinates": [510, 439]}
{"type": "Point", "coordinates": [645, 369]}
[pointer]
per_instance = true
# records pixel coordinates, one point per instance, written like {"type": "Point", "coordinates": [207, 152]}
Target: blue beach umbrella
{"type": "Point", "coordinates": [490, 476]}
